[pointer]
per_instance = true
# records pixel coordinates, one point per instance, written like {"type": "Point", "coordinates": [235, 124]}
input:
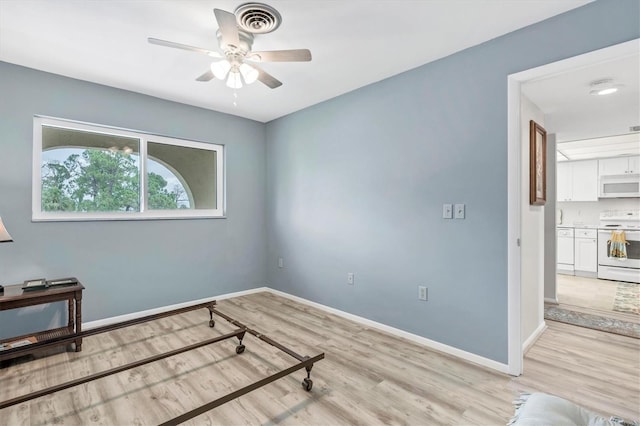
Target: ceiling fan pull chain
{"type": "Point", "coordinates": [235, 98]}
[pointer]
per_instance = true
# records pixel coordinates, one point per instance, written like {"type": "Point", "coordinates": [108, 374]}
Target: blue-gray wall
{"type": "Point", "coordinates": [127, 266]}
{"type": "Point", "coordinates": [357, 183]}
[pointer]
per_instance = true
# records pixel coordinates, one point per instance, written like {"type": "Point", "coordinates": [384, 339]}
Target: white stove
{"type": "Point", "coordinates": [612, 265]}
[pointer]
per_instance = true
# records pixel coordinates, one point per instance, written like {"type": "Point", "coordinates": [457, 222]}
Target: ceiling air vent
{"type": "Point", "coordinates": [257, 18]}
{"type": "Point", "coordinates": [634, 128]}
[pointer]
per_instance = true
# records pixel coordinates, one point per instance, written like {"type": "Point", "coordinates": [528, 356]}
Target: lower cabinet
{"type": "Point", "coordinates": [586, 252]}
{"type": "Point", "coordinates": [565, 250]}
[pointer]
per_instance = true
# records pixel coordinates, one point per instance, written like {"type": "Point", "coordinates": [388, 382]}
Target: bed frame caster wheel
{"type": "Point", "coordinates": [307, 384]}
{"type": "Point", "coordinates": [239, 349]}
{"type": "Point", "coordinates": [212, 323]}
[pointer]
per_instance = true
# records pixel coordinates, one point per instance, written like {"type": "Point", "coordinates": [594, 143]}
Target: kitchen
{"type": "Point", "coordinates": [592, 118]}
{"type": "Point", "coordinates": [590, 217]}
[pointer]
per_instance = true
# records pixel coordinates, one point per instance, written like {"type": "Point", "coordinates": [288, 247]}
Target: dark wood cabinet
{"type": "Point", "coordinates": [15, 297]}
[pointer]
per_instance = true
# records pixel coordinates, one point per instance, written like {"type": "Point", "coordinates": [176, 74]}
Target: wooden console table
{"type": "Point", "coordinates": [15, 297]}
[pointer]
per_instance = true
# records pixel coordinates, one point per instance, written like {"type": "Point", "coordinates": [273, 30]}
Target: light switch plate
{"type": "Point", "coordinates": [459, 211]}
{"type": "Point", "coordinates": [447, 211]}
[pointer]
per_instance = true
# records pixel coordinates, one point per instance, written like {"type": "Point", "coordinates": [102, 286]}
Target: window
{"type": "Point", "coordinates": [91, 172]}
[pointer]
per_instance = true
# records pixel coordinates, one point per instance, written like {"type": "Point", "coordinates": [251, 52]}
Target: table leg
{"type": "Point", "coordinates": [78, 319]}
{"type": "Point", "coordinates": [70, 322]}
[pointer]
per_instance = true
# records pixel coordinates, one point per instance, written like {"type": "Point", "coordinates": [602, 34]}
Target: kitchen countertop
{"type": "Point", "coordinates": [577, 225]}
{"type": "Point", "coordinates": [605, 228]}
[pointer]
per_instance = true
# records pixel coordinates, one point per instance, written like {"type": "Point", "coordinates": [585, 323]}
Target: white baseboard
{"type": "Point", "coordinates": [534, 336]}
{"type": "Point", "coordinates": [112, 320]}
{"type": "Point", "coordinates": [552, 300]}
{"type": "Point", "coordinates": [432, 344]}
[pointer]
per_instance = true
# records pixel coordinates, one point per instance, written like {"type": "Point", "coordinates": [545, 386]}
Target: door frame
{"type": "Point", "coordinates": [514, 200]}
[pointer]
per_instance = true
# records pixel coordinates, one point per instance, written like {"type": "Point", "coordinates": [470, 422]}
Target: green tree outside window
{"type": "Point", "coordinates": [100, 180]}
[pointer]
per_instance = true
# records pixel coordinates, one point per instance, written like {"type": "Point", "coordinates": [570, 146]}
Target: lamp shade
{"type": "Point", "coordinates": [4, 235]}
{"type": "Point", "coordinates": [220, 69]}
{"type": "Point", "coordinates": [234, 80]}
{"type": "Point", "coordinates": [249, 73]}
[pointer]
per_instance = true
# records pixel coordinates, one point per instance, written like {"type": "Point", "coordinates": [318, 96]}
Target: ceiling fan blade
{"type": "Point", "coordinates": [183, 46]}
{"type": "Point", "coordinates": [228, 26]}
{"type": "Point", "coordinates": [207, 76]}
{"type": "Point", "coordinates": [267, 78]}
{"type": "Point", "coordinates": [293, 55]}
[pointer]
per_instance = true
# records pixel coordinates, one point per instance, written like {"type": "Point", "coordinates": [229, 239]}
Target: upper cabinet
{"type": "Point", "coordinates": [577, 181]}
{"type": "Point", "coordinates": [619, 166]}
{"type": "Point", "coordinates": [564, 179]}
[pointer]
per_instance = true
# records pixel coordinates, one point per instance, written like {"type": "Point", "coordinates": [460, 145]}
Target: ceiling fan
{"type": "Point", "coordinates": [238, 63]}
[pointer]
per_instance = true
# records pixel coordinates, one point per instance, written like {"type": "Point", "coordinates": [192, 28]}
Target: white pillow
{"type": "Point", "coordinates": [540, 409]}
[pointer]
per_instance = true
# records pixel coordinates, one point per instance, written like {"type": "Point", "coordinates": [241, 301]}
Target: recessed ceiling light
{"type": "Point", "coordinates": [607, 91]}
{"type": "Point", "coordinates": [604, 86]}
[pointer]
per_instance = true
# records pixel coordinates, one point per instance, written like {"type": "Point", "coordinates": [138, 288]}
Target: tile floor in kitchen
{"type": "Point", "coordinates": [586, 292]}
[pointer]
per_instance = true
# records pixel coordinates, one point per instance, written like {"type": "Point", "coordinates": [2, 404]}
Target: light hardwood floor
{"type": "Point", "coordinates": [586, 292]}
{"type": "Point", "coordinates": [368, 377]}
{"type": "Point", "coordinates": [592, 296]}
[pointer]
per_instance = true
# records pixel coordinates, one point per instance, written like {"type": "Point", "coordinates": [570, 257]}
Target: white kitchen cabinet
{"type": "Point", "coordinates": [634, 164]}
{"type": "Point", "coordinates": [565, 248]}
{"type": "Point", "coordinates": [577, 181]}
{"type": "Point", "coordinates": [619, 166]}
{"type": "Point", "coordinates": [585, 252]}
{"type": "Point", "coordinates": [585, 180]}
{"type": "Point", "coordinates": [564, 179]}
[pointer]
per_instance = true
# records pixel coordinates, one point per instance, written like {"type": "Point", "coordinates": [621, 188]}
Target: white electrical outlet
{"type": "Point", "coordinates": [459, 211]}
{"type": "Point", "coordinates": [447, 211]}
{"type": "Point", "coordinates": [422, 292]}
{"type": "Point", "coordinates": [350, 278]}
{"type": "Point", "coordinates": [280, 263]}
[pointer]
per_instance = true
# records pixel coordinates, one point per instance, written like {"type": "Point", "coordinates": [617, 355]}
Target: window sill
{"type": "Point", "coordinates": [90, 217]}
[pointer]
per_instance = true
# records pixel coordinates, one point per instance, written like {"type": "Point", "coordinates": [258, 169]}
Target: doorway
{"type": "Point", "coordinates": [521, 314]}
{"type": "Point", "coordinates": [591, 132]}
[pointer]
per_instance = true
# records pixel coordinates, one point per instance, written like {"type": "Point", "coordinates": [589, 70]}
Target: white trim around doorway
{"type": "Point", "coordinates": [514, 81]}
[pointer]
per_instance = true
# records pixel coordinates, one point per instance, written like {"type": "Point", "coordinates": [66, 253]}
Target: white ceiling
{"type": "Point", "coordinates": [608, 146]}
{"type": "Point", "coordinates": [353, 43]}
{"type": "Point", "coordinates": [588, 126]}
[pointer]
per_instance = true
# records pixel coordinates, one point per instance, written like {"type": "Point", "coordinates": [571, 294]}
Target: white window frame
{"type": "Point", "coordinates": [43, 216]}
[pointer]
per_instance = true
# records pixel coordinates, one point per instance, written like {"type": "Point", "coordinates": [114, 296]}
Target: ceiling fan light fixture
{"type": "Point", "coordinates": [234, 80]}
{"type": "Point", "coordinates": [220, 69]}
{"type": "Point", "coordinates": [249, 73]}
{"type": "Point", "coordinates": [235, 36]}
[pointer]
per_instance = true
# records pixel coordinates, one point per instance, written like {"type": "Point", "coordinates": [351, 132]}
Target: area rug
{"type": "Point", "coordinates": [597, 322]}
{"type": "Point", "coordinates": [627, 298]}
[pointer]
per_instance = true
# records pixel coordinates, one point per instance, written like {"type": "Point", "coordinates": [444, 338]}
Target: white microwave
{"type": "Point", "coordinates": [619, 186]}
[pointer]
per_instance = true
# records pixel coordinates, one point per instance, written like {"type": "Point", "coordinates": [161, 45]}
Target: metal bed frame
{"type": "Point", "coordinates": [305, 362]}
